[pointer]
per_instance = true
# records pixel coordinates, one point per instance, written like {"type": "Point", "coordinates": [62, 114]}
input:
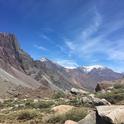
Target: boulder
{"type": "Point", "coordinates": [95, 101]}
{"type": "Point", "coordinates": [62, 109]}
{"type": "Point", "coordinates": [70, 122]}
{"type": "Point", "coordinates": [98, 101]}
{"type": "Point", "coordinates": [2, 101]}
{"type": "Point", "coordinates": [78, 91]}
{"type": "Point", "coordinates": [113, 114]}
{"type": "Point", "coordinates": [89, 118]}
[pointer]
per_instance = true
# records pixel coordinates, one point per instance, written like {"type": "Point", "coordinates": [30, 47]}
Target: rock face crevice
{"type": "Point", "coordinates": [103, 119]}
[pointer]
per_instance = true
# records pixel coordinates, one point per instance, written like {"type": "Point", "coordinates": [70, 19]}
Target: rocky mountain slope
{"type": "Point", "coordinates": [20, 69]}
{"type": "Point", "coordinates": [24, 71]}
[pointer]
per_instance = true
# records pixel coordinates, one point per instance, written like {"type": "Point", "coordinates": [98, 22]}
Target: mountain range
{"type": "Point", "coordinates": [20, 74]}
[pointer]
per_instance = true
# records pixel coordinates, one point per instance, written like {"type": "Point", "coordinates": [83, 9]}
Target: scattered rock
{"type": "Point", "coordinates": [87, 100]}
{"type": "Point", "coordinates": [92, 95]}
{"type": "Point", "coordinates": [35, 100]}
{"type": "Point", "coordinates": [95, 101]}
{"type": "Point", "coordinates": [98, 101]}
{"type": "Point", "coordinates": [6, 109]}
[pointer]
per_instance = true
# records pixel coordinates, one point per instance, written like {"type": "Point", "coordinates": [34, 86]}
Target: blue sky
{"type": "Point", "coordinates": [70, 32]}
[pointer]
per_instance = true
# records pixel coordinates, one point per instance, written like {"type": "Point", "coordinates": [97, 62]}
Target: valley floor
{"type": "Point", "coordinates": [62, 107]}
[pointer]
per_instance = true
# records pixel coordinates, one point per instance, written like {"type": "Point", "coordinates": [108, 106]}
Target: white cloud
{"type": "Point", "coordinates": [67, 63]}
{"type": "Point", "coordinates": [40, 47]}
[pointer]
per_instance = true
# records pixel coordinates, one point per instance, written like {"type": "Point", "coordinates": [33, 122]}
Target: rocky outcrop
{"type": "Point", "coordinates": [78, 91]}
{"type": "Point", "coordinates": [12, 55]}
{"type": "Point", "coordinates": [9, 51]}
{"type": "Point", "coordinates": [103, 87]}
{"type": "Point", "coordinates": [110, 114]}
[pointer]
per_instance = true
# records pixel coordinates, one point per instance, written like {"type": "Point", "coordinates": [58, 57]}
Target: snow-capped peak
{"type": "Point", "coordinates": [43, 59]}
{"type": "Point", "coordinates": [90, 68]}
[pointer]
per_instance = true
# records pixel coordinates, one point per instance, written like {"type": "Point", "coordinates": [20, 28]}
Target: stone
{"type": "Point", "coordinates": [70, 122]}
{"type": "Point", "coordinates": [1, 100]}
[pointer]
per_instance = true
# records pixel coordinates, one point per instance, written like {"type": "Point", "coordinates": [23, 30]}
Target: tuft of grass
{"type": "Point", "coordinates": [43, 104]}
{"type": "Point", "coordinates": [58, 95]}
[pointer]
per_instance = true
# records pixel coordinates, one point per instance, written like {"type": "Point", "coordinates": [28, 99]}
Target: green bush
{"type": "Point", "coordinates": [26, 115]}
{"type": "Point", "coordinates": [119, 86]}
{"type": "Point", "coordinates": [76, 102]}
{"type": "Point", "coordinates": [43, 104]}
{"type": "Point", "coordinates": [58, 95]}
{"type": "Point", "coordinates": [1, 105]}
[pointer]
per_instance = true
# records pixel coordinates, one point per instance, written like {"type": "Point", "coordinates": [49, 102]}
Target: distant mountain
{"type": "Point", "coordinates": [89, 76]}
{"type": "Point", "coordinates": [88, 69]}
{"type": "Point", "coordinates": [21, 70]}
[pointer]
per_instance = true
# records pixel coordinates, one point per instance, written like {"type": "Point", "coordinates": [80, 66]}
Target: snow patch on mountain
{"type": "Point", "coordinates": [90, 68]}
{"type": "Point", "coordinates": [43, 59]}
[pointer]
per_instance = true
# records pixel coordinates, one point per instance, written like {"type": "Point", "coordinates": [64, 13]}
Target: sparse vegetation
{"type": "Point", "coordinates": [58, 95]}
{"type": "Point", "coordinates": [116, 95]}
{"type": "Point", "coordinates": [40, 110]}
{"type": "Point", "coordinates": [75, 114]}
{"type": "Point", "coordinates": [43, 104]}
{"type": "Point", "coordinates": [26, 115]}
{"type": "Point", "coordinates": [25, 110]}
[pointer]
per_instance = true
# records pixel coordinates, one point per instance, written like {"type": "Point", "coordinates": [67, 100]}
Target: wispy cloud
{"type": "Point", "coordinates": [45, 37]}
{"type": "Point", "coordinates": [67, 63]}
{"type": "Point", "coordinates": [40, 47]}
{"type": "Point", "coordinates": [93, 40]}
{"type": "Point", "coordinates": [84, 42]}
